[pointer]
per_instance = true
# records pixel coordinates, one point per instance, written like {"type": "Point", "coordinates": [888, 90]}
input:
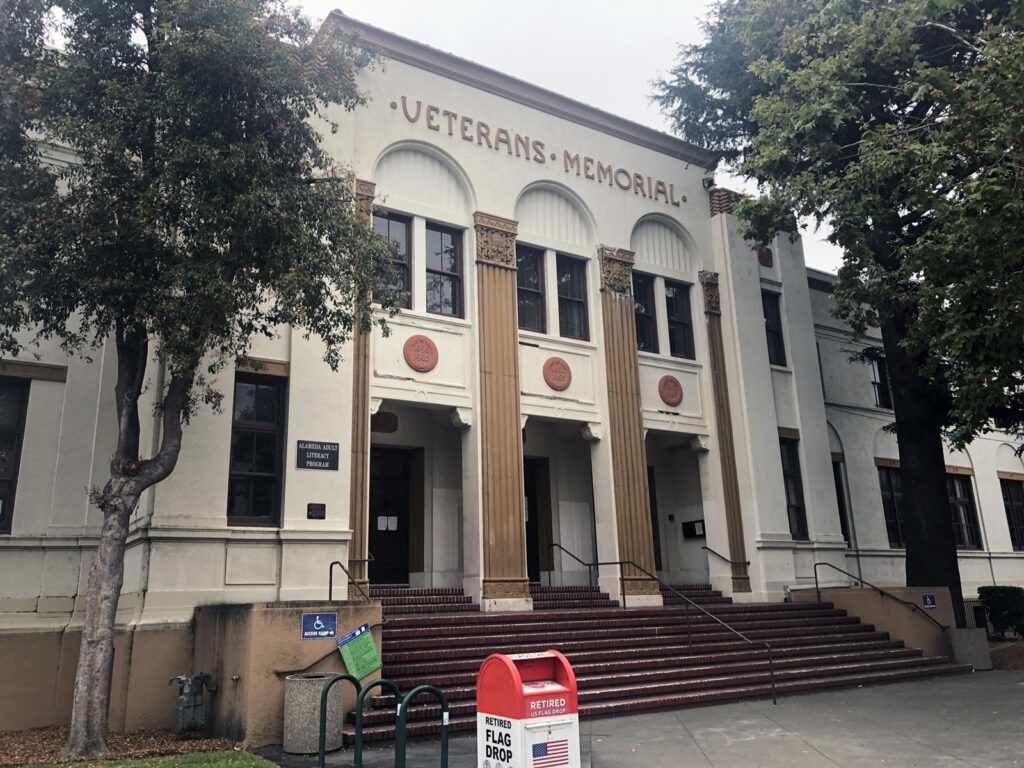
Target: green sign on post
{"type": "Point", "coordinates": [359, 652]}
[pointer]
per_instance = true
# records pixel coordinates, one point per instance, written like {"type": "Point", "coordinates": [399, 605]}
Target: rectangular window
{"type": "Point", "coordinates": [530, 288]}
{"type": "Point", "coordinates": [13, 404]}
{"type": "Point", "coordinates": [444, 271]}
{"type": "Point", "coordinates": [961, 507]}
{"type": "Point", "coordinates": [837, 478]}
{"type": "Point", "coordinates": [643, 306]}
{"type": "Point", "coordinates": [572, 297]}
{"type": "Point", "coordinates": [257, 450]}
{"type": "Point", "coordinates": [880, 383]}
{"type": "Point", "coordinates": [396, 229]}
{"type": "Point", "coordinates": [892, 503]}
{"type": "Point", "coordinates": [773, 327]}
{"type": "Point", "coordinates": [680, 323]}
{"type": "Point", "coordinates": [793, 481]}
{"type": "Point", "coordinates": [1013, 501]}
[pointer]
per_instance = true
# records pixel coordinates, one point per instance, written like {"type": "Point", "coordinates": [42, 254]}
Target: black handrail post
{"type": "Point", "coordinates": [771, 672]}
{"type": "Point", "coordinates": [403, 708]}
{"type": "Point", "coordinates": [358, 762]}
{"type": "Point", "coordinates": [322, 749]}
{"type": "Point", "coordinates": [882, 592]}
{"type": "Point", "coordinates": [817, 587]}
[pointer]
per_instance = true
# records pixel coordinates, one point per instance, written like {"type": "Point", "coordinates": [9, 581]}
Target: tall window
{"type": "Point", "coordinates": [892, 503]}
{"type": "Point", "coordinates": [444, 271]}
{"type": "Point", "coordinates": [793, 481]}
{"type": "Point", "coordinates": [961, 507]}
{"type": "Point", "coordinates": [13, 402]}
{"type": "Point", "coordinates": [572, 297]}
{"type": "Point", "coordinates": [643, 306]}
{"type": "Point", "coordinates": [1013, 501]}
{"type": "Point", "coordinates": [257, 433]}
{"type": "Point", "coordinates": [837, 478]}
{"type": "Point", "coordinates": [530, 288]}
{"type": "Point", "coordinates": [773, 327]}
{"type": "Point", "coordinates": [680, 322]}
{"type": "Point", "coordinates": [880, 383]}
{"type": "Point", "coordinates": [396, 229]}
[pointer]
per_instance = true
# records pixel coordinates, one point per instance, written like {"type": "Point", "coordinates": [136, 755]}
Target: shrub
{"type": "Point", "coordinates": [1005, 606]}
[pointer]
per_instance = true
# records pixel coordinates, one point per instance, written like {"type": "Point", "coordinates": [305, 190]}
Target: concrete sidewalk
{"type": "Point", "coordinates": [970, 720]}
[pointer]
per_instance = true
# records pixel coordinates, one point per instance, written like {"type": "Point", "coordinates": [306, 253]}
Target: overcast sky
{"type": "Point", "coordinates": [601, 52]}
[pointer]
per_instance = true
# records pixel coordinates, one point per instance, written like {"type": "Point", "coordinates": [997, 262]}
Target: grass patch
{"type": "Point", "coordinates": [234, 759]}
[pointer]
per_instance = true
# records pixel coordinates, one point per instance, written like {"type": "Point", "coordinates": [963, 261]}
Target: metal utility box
{"type": "Point", "coordinates": [527, 712]}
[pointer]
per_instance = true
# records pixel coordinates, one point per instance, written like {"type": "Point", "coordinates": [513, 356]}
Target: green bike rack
{"type": "Point", "coordinates": [323, 711]}
{"type": "Point", "coordinates": [359, 715]}
{"type": "Point", "coordinates": [400, 724]}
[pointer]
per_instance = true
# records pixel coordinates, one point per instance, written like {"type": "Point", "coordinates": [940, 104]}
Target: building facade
{"type": "Point", "coordinates": [592, 365]}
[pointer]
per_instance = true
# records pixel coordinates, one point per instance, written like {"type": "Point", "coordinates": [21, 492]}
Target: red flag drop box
{"type": "Point", "coordinates": [527, 715]}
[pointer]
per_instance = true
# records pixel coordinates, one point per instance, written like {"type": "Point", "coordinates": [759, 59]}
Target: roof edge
{"type": "Point", "coordinates": [478, 76]}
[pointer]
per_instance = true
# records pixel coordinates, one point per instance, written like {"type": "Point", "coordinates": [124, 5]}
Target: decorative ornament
{"type": "Point", "coordinates": [420, 353]}
{"type": "Point", "coordinates": [670, 390]}
{"type": "Point", "coordinates": [557, 374]}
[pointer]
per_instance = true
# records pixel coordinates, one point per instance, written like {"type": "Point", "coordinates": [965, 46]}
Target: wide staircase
{"type": "Point", "coordinates": [627, 660]}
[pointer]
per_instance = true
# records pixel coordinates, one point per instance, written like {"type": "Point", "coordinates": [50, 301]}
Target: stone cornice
{"type": "Point", "coordinates": [446, 65]}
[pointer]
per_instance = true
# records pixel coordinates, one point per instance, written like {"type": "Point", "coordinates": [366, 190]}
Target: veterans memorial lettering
{"type": "Point", "coordinates": [313, 455]}
{"type": "Point", "coordinates": [530, 149]}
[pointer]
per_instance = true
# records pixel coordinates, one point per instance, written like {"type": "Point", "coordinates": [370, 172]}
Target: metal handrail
{"type": "Point", "coordinates": [817, 589]}
{"type": "Point", "coordinates": [330, 577]}
{"type": "Point", "coordinates": [663, 585]}
{"type": "Point", "coordinates": [723, 557]}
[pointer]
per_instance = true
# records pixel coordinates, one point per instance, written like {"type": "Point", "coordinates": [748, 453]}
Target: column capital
{"type": "Point", "coordinates": [365, 192]}
{"type": "Point", "coordinates": [495, 239]}
{"type": "Point", "coordinates": [616, 269]}
{"type": "Point", "coordinates": [712, 299]}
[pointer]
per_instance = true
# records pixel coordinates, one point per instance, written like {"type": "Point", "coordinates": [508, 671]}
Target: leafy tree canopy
{"type": "Point", "coordinates": [163, 186]}
{"type": "Point", "coordinates": [901, 122]}
{"type": "Point", "coordinates": [201, 210]}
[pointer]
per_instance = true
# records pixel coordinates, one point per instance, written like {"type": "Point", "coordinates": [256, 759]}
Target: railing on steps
{"type": "Point", "coordinates": [726, 559]}
{"type": "Point", "coordinates": [689, 602]}
{"type": "Point", "coordinates": [330, 577]}
{"type": "Point", "coordinates": [912, 606]}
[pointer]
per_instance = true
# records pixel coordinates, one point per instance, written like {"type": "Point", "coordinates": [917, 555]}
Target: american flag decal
{"type": "Point", "coordinates": [551, 754]}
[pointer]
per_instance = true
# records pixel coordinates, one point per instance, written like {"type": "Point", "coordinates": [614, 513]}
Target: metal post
{"type": "Point", "coordinates": [358, 763]}
{"type": "Point", "coordinates": [403, 709]}
{"type": "Point", "coordinates": [323, 712]}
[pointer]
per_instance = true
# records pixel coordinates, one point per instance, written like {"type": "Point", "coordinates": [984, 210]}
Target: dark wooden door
{"type": "Point", "coordinates": [655, 527]}
{"type": "Point", "coordinates": [537, 508]}
{"type": "Point", "coordinates": [389, 515]}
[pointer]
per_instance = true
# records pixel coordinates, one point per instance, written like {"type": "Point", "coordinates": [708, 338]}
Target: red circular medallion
{"type": "Point", "coordinates": [420, 353]}
{"type": "Point", "coordinates": [557, 373]}
{"type": "Point", "coordinates": [671, 390]}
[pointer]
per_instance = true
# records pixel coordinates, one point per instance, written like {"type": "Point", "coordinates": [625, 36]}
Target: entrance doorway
{"type": "Point", "coordinates": [390, 504]}
{"type": "Point", "coordinates": [537, 508]}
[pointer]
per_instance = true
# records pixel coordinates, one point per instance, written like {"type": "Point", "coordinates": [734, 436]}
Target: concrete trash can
{"type": "Point", "coordinates": [302, 713]}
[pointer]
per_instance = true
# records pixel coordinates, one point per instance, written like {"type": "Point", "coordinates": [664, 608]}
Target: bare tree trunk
{"type": "Point", "coordinates": [96, 656]}
{"type": "Point", "coordinates": [129, 477]}
{"type": "Point", "coordinates": [920, 406]}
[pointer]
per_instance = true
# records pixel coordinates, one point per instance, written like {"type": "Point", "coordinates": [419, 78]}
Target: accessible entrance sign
{"type": "Point", "coordinates": [359, 652]}
{"type": "Point", "coordinates": [317, 625]}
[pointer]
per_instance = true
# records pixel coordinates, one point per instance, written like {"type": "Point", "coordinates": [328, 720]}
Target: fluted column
{"type": "Point", "coordinates": [723, 428]}
{"type": "Point", "coordinates": [505, 581]}
{"type": "Point", "coordinates": [359, 470]}
{"type": "Point", "coordinates": [629, 454]}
